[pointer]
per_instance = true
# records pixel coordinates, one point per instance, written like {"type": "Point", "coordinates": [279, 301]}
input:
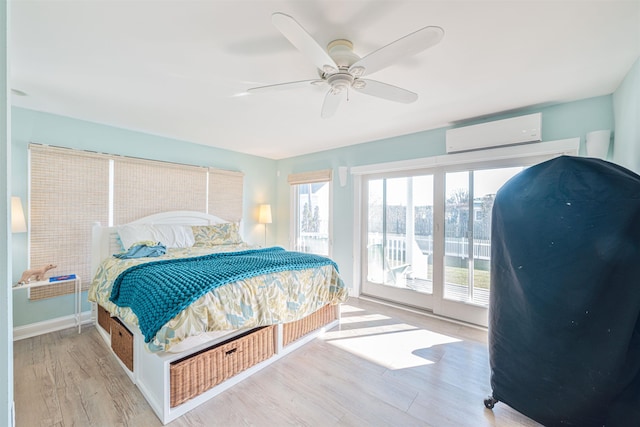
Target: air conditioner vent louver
{"type": "Point", "coordinates": [517, 130]}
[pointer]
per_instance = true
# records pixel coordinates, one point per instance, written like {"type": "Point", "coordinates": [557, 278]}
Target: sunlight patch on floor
{"type": "Point", "coordinates": [346, 308]}
{"type": "Point", "coordinates": [396, 346]}
{"type": "Point", "coordinates": [345, 320]}
{"type": "Point", "coordinates": [367, 331]}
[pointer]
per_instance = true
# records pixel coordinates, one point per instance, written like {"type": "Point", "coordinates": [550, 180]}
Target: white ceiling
{"type": "Point", "coordinates": [176, 68]}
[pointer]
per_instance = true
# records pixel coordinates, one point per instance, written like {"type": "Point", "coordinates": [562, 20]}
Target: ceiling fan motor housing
{"type": "Point", "coordinates": [341, 51]}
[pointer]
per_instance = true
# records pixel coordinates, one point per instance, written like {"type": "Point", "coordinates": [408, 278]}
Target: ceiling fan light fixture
{"type": "Point", "coordinates": [329, 69]}
{"type": "Point", "coordinates": [359, 84]}
{"type": "Point", "coordinates": [357, 71]}
{"type": "Point", "coordinates": [340, 81]}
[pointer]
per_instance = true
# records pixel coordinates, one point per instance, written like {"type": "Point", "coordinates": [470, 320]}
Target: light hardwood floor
{"type": "Point", "coordinates": [382, 367]}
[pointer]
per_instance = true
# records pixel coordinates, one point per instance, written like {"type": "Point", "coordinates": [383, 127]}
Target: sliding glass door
{"type": "Point", "coordinates": [399, 238]}
{"type": "Point", "coordinates": [428, 239]}
{"type": "Point", "coordinates": [469, 196]}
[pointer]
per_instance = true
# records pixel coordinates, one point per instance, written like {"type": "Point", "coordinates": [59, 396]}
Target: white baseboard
{"type": "Point", "coordinates": [52, 325]}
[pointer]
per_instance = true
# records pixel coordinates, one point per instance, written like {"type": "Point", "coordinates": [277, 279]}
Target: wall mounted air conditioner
{"type": "Point", "coordinates": [517, 130]}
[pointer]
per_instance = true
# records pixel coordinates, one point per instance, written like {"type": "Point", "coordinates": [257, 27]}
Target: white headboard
{"type": "Point", "coordinates": [104, 240]}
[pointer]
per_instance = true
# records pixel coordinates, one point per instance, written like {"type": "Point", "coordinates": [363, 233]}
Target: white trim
{"type": "Point", "coordinates": [354, 290]}
{"type": "Point", "coordinates": [563, 146]}
{"type": "Point", "coordinates": [111, 185]}
{"type": "Point", "coordinates": [437, 165]}
{"type": "Point", "coordinates": [293, 214]}
{"type": "Point", "coordinates": [330, 219]}
{"type": "Point", "coordinates": [51, 325]}
{"type": "Point", "coordinates": [421, 312]}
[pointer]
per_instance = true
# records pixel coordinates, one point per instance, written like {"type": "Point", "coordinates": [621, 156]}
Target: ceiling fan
{"type": "Point", "coordinates": [341, 69]}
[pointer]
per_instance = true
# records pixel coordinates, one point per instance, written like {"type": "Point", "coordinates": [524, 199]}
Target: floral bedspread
{"type": "Point", "coordinates": [258, 301]}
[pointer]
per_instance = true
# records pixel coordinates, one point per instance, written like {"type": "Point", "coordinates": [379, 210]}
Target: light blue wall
{"type": "Point", "coordinates": [562, 121]}
{"type": "Point", "coordinates": [6, 331]}
{"type": "Point", "coordinates": [265, 180]}
{"type": "Point", "coordinates": [32, 126]}
{"type": "Point", "coordinates": [626, 106]}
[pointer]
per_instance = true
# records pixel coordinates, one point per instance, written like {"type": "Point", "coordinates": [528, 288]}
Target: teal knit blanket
{"type": "Point", "coordinates": [157, 291]}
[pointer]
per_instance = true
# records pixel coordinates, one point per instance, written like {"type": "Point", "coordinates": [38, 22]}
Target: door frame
{"type": "Point", "coordinates": [522, 155]}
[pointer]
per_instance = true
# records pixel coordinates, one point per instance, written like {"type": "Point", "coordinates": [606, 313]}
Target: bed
{"type": "Point", "coordinates": [190, 309]}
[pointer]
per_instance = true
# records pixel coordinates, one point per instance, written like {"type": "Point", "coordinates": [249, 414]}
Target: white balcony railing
{"type": "Point", "coordinates": [396, 249]}
{"type": "Point", "coordinates": [396, 246]}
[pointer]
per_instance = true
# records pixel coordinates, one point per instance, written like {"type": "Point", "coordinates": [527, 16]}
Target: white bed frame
{"type": "Point", "coordinates": [151, 370]}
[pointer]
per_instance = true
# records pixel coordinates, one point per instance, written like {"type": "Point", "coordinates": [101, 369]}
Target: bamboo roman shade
{"type": "Point", "coordinates": [69, 193]}
{"type": "Point", "coordinates": [145, 187]}
{"type": "Point", "coordinates": [225, 194]}
{"type": "Point", "coordinates": [310, 177]}
{"type": "Point", "coordinates": [72, 190]}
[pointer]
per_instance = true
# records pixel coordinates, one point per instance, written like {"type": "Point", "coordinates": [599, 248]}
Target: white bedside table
{"type": "Point", "coordinates": [78, 288]}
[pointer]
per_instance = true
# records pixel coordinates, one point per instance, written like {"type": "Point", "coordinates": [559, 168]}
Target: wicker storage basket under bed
{"type": "Point", "coordinates": [104, 318]}
{"type": "Point", "coordinates": [122, 342]}
{"type": "Point", "coordinates": [295, 330]}
{"type": "Point", "coordinates": [198, 373]}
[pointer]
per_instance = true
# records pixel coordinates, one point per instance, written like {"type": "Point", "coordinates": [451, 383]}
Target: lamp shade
{"type": "Point", "coordinates": [264, 216]}
{"type": "Point", "coordinates": [18, 223]}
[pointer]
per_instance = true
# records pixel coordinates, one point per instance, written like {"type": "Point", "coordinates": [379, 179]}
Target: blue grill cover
{"type": "Point", "coordinates": [564, 317]}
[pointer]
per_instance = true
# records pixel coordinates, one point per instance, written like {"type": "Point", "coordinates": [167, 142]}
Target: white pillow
{"type": "Point", "coordinates": [172, 236]}
{"type": "Point", "coordinates": [175, 236]}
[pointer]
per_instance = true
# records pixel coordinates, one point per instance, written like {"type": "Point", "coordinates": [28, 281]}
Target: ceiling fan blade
{"type": "Point", "coordinates": [387, 91]}
{"type": "Point", "coordinates": [302, 40]}
{"type": "Point", "coordinates": [285, 86]}
{"type": "Point", "coordinates": [404, 47]}
{"type": "Point", "coordinates": [331, 102]}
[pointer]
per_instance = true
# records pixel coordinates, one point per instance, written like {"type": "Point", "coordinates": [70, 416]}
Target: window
{"type": "Point", "coordinates": [467, 242]}
{"type": "Point", "coordinates": [426, 227]}
{"type": "Point", "coordinates": [311, 212]}
{"type": "Point", "coordinates": [71, 190]}
{"type": "Point", "coordinates": [68, 194]}
{"type": "Point", "coordinates": [400, 232]}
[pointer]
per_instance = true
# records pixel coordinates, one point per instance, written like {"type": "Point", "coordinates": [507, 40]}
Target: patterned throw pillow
{"type": "Point", "coordinates": [217, 234]}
